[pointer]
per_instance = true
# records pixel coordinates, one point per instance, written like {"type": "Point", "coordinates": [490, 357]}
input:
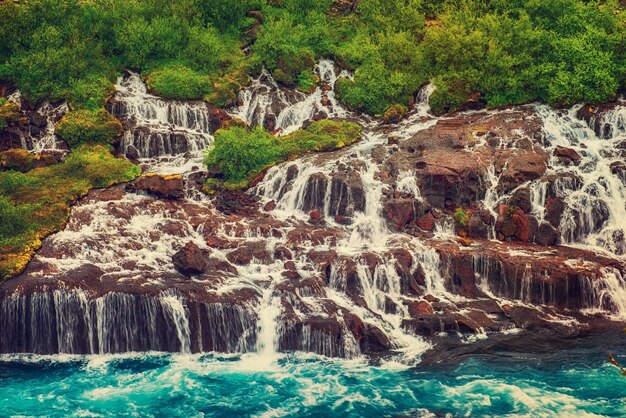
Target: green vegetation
{"type": "Point", "coordinates": [9, 113]}
{"type": "Point", "coordinates": [21, 160]}
{"type": "Point", "coordinates": [178, 82]}
{"type": "Point", "coordinates": [500, 52]}
{"type": "Point", "coordinates": [37, 203]}
{"type": "Point", "coordinates": [237, 155]}
{"type": "Point", "coordinates": [460, 217]}
{"type": "Point", "coordinates": [89, 126]}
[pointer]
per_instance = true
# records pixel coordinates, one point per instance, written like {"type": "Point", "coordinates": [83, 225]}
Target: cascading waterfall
{"type": "Point", "coordinates": [265, 103]}
{"type": "Point", "coordinates": [594, 195]}
{"type": "Point", "coordinates": [208, 314]}
{"type": "Point", "coordinates": [40, 136]}
{"type": "Point", "coordinates": [164, 135]}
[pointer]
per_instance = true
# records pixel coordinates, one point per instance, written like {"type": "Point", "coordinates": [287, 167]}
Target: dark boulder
{"type": "Point", "coordinates": [546, 234]}
{"type": "Point", "coordinates": [191, 259]}
{"type": "Point", "coordinates": [567, 156]}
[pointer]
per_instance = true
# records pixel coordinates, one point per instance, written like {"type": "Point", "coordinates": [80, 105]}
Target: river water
{"type": "Point", "coordinates": [577, 382]}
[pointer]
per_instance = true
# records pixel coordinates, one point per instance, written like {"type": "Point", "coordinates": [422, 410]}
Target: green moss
{"type": "Point", "coordinates": [179, 82]}
{"type": "Point", "coordinates": [9, 113]}
{"type": "Point", "coordinates": [239, 154]}
{"type": "Point", "coordinates": [395, 113]}
{"type": "Point", "coordinates": [89, 126]}
{"type": "Point", "coordinates": [37, 203]}
{"type": "Point", "coordinates": [16, 159]}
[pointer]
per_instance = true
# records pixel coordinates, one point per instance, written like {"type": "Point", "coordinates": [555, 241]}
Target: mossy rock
{"type": "Point", "coordinates": [19, 159]}
{"type": "Point", "coordinates": [37, 203]}
{"type": "Point", "coordinates": [395, 113]}
{"type": "Point", "coordinates": [9, 113]}
{"type": "Point", "coordinates": [89, 126]}
{"type": "Point", "coordinates": [16, 159]}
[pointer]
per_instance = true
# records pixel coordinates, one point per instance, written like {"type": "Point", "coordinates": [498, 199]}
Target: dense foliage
{"type": "Point", "coordinates": [500, 52]}
{"type": "Point", "coordinates": [237, 154]}
{"type": "Point", "coordinates": [37, 203]}
{"type": "Point", "coordinates": [95, 126]}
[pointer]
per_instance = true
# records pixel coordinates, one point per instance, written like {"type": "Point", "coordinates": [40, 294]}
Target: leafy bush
{"type": "Point", "coordinates": [179, 82]}
{"type": "Point", "coordinates": [237, 154]}
{"type": "Point", "coordinates": [306, 81]}
{"type": "Point", "coordinates": [89, 126]}
{"type": "Point", "coordinates": [503, 52]}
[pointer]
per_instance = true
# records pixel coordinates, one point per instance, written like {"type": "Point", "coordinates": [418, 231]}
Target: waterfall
{"type": "Point", "coordinates": [595, 214]}
{"type": "Point", "coordinates": [164, 135]}
{"type": "Point", "coordinates": [40, 135]}
{"type": "Point", "coordinates": [265, 103]}
{"type": "Point", "coordinates": [267, 337]}
{"type": "Point", "coordinates": [321, 268]}
{"type": "Point", "coordinates": [69, 321]}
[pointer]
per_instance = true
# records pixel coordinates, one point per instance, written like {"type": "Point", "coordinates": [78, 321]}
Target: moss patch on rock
{"type": "Point", "coordinates": [9, 113]}
{"type": "Point", "coordinates": [238, 155]}
{"type": "Point", "coordinates": [37, 203]}
{"type": "Point", "coordinates": [89, 126]}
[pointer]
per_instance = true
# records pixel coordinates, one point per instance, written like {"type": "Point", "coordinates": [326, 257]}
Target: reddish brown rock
{"type": "Point", "coordinates": [546, 234]}
{"type": "Point", "coordinates": [400, 211]}
{"type": "Point", "coordinates": [315, 216]}
{"type": "Point", "coordinates": [567, 155]}
{"type": "Point", "coordinates": [419, 308]}
{"type": "Point", "coordinates": [249, 251]}
{"type": "Point", "coordinates": [269, 206]}
{"type": "Point", "coordinates": [167, 186]}
{"type": "Point", "coordinates": [426, 222]}
{"type": "Point", "coordinates": [191, 259]}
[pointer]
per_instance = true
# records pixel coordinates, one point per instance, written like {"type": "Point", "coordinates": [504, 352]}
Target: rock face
{"type": "Point", "coordinates": [167, 186]}
{"type": "Point", "coordinates": [453, 158]}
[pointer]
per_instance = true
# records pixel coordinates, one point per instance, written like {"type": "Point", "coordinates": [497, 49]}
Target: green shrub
{"type": "Point", "coordinates": [179, 82]}
{"type": "Point", "coordinates": [505, 52]}
{"type": "Point", "coordinates": [306, 81]}
{"type": "Point", "coordinates": [461, 217]}
{"type": "Point", "coordinates": [89, 126]}
{"type": "Point", "coordinates": [237, 154]}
